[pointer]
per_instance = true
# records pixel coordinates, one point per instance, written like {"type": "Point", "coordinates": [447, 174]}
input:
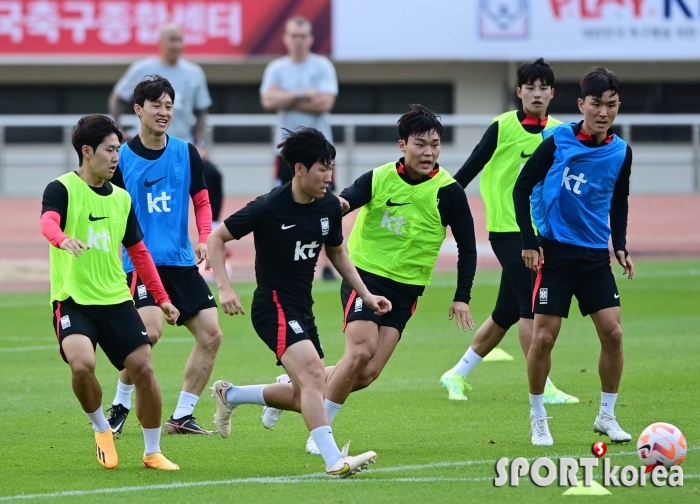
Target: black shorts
{"type": "Point", "coordinates": [514, 299]}
{"type": "Point", "coordinates": [186, 288]}
{"type": "Point", "coordinates": [404, 299]}
{"type": "Point", "coordinates": [118, 329]}
{"type": "Point", "coordinates": [280, 324]}
{"type": "Point", "coordinates": [283, 173]}
{"type": "Point", "coordinates": [592, 282]}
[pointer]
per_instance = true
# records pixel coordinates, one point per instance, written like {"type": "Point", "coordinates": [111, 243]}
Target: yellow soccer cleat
{"type": "Point", "coordinates": [104, 449]}
{"type": "Point", "coordinates": [158, 461]}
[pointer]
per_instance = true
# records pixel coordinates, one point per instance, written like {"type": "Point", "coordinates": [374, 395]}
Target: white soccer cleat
{"type": "Point", "coordinates": [224, 411]}
{"type": "Point", "coordinates": [311, 447]}
{"type": "Point", "coordinates": [347, 466]}
{"type": "Point", "coordinates": [606, 424]}
{"type": "Point", "coordinates": [270, 416]}
{"type": "Point", "coordinates": [539, 431]}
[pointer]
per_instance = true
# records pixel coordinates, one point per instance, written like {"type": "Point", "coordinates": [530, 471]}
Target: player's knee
{"type": "Point", "coordinates": [211, 341]}
{"type": "Point", "coordinates": [313, 377]}
{"type": "Point", "coordinates": [142, 372]}
{"type": "Point", "coordinates": [365, 379]}
{"type": "Point", "coordinates": [82, 369]}
{"type": "Point", "coordinates": [613, 339]}
{"type": "Point", "coordinates": [544, 340]}
{"type": "Point", "coordinates": [360, 356]}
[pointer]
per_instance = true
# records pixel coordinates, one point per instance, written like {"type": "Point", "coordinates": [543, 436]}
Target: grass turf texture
{"type": "Point", "coordinates": [430, 449]}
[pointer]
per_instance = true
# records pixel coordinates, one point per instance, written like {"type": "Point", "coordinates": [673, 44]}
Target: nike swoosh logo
{"type": "Point", "coordinates": [210, 297]}
{"type": "Point", "coordinates": [96, 218]}
{"type": "Point", "coordinates": [149, 183]}
{"type": "Point", "coordinates": [617, 296]}
{"type": "Point", "coordinates": [144, 333]}
{"type": "Point", "coordinates": [116, 428]}
{"type": "Point", "coordinates": [288, 227]}
{"type": "Point", "coordinates": [391, 203]}
{"type": "Point", "coordinates": [523, 155]}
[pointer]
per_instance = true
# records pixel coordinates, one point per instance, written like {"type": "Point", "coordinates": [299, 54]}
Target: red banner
{"type": "Point", "coordinates": [234, 28]}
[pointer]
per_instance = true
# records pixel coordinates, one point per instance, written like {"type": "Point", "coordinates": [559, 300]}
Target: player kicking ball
{"type": "Point", "coordinates": [290, 224]}
{"type": "Point", "coordinates": [500, 155]}
{"type": "Point", "coordinates": [577, 179]}
{"type": "Point", "coordinates": [85, 218]}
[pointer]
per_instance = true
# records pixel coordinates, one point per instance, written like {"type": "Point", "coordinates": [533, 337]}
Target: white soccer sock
{"type": "Point", "coordinates": [537, 405]}
{"type": "Point", "coordinates": [549, 382]}
{"type": "Point", "coordinates": [323, 437]}
{"type": "Point", "coordinates": [123, 396]}
{"type": "Point", "coordinates": [607, 402]}
{"type": "Point", "coordinates": [99, 420]}
{"type": "Point", "coordinates": [467, 362]}
{"type": "Point", "coordinates": [248, 394]}
{"type": "Point", "coordinates": [151, 438]}
{"type": "Point", "coordinates": [185, 405]}
{"type": "Point", "coordinates": [332, 409]}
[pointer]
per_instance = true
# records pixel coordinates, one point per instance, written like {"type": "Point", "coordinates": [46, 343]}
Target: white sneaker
{"type": "Point", "coordinates": [311, 447]}
{"type": "Point", "coordinates": [224, 411]}
{"type": "Point", "coordinates": [539, 431]}
{"type": "Point", "coordinates": [270, 416]}
{"type": "Point", "coordinates": [347, 466]}
{"type": "Point", "coordinates": [605, 423]}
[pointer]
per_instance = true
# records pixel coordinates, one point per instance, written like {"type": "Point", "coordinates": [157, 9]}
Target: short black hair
{"type": "Point", "coordinates": [151, 88]}
{"type": "Point", "coordinates": [419, 119]}
{"type": "Point", "coordinates": [92, 130]}
{"type": "Point", "coordinates": [306, 146]}
{"type": "Point", "coordinates": [599, 80]}
{"type": "Point", "coordinates": [528, 73]}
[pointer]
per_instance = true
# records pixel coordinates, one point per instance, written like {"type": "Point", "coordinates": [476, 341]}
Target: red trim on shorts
{"type": "Point", "coordinates": [281, 327]}
{"type": "Point", "coordinates": [58, 330]}
{"type": "Point", "coordinates": [415, 305]}
{"type": "Point", "coordinates": [351, 300]}
{"type": "Point", "coordinates": [538, 281]}
{"type": "Point", "coordinates": [134, 280]}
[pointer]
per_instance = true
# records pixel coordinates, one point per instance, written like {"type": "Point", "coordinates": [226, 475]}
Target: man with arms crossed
{"type": "Point", "coordinates": [85, 217]}
{"type": "Point", "coordinates": [290, 224]}
{"type": "Point", "coordinates": [162, 173]}
{"type": "Point", "coordinates": [501, 154]}
{"type": "Point", "coordinates": [576, 179]}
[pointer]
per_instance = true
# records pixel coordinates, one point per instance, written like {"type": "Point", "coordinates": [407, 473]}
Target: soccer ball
{"type": "Point", "coordinates": [662, 444]}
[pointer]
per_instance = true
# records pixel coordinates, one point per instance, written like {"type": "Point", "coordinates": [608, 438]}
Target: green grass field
{"type": "Point", "coordinates": [430, 450]}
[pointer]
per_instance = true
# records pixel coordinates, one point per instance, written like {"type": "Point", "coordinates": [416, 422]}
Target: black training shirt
{"type": "Point", "coordinates": [288, 237]}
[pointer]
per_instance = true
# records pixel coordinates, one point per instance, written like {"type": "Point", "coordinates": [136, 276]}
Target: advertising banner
{"type": "Point", "coordinates": [509, 30]}
{"type": "Point", "coordinates": [92, 28]}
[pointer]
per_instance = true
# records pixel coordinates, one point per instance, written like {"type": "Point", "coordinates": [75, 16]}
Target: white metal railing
{"type": "Point", "coordinates": [350, 122]}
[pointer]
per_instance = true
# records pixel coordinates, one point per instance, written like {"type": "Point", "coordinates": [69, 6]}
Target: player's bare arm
{"type": "Point", "coordinates": [275, 99]}
{"type": "Point", "coordinates": [340, 260]}
{"type": "Point", "coordinates": [229, 300]}
{"type": "Point", "coordinates": [318, 103]}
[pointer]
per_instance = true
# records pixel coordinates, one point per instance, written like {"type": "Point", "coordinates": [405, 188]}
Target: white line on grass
{"type": "Point", "coordinates": [55, 346]}
{"type": "Point", "coordinates": [307, 478]}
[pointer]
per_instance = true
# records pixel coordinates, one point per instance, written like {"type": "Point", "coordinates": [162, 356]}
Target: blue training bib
{"type": "Point", "coordinates": [160, 192]}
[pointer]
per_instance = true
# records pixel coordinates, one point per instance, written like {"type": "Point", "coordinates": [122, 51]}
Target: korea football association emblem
{"type": "Point", "coordinates": [325, 226]}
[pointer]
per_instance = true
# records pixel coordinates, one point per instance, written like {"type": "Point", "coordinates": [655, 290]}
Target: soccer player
{"type": "Point", "coordinates": [501, 153]}
{"type": "Point", "coordinates": [162, 173]}
{"type": "Point", "coordinates": [81, 213]}
{"type": "Point", "coordinates": [406, 208]}
{"type": "Point", "coordinates": [290, 224]}
{"type": "Point", "coordinates": [575, 180]}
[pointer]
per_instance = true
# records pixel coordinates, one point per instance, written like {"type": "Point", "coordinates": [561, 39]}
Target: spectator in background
{"type": "Point", "coordinates": [302, 87]}
{"type": "Point", "coordinates": [193, 100]}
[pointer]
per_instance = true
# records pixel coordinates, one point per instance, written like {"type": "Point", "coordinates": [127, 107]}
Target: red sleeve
{"type": "Point", "coordinates": [146, 269]}
{"type": "Point", "coordinates": [51, 228]}
{"type": "Point", "coordinates": [202, 214]}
